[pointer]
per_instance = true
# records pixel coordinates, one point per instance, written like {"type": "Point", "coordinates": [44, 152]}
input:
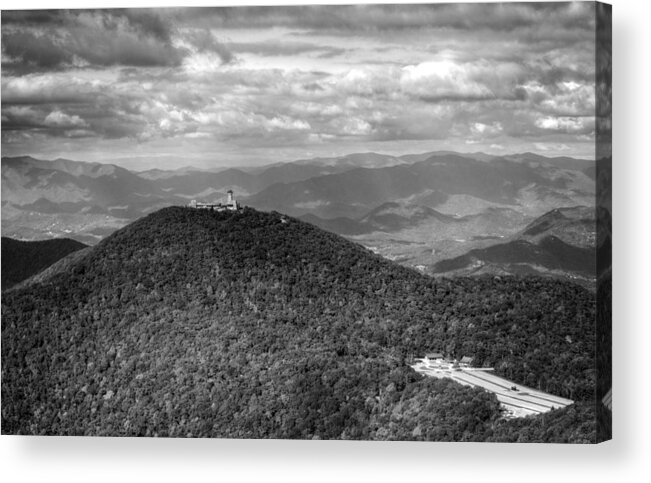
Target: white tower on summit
{"type": "Point", "coordinates": [231, 202]}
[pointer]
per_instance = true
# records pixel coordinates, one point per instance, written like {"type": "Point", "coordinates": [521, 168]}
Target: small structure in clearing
{"type": "Point", "coordinates": [434, 356]}
{"type": "Point", "coordinates": [230, 205]}
{"type": "Point", "coordinates": [466, 360]}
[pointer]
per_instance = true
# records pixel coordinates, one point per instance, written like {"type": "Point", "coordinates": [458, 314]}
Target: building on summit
{"type": "Point", "coordinates": [230, 205]}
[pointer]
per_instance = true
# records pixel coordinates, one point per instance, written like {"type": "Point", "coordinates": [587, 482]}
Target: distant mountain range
{"type": "Point", "coordinates": [388, 217]}
{"type": "Point", "coordinates": [419, 209]}
{"type": "Point", "coordinates": [530, 186]}
{"type": "Point", "coordinates": [354, 182]}
{"type": "Point", "coordinates": [397, 217]}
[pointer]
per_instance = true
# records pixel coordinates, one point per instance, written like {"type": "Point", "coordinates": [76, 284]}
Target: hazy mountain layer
{"type": "Point", "coordinates": [550, 254]}
{"type": "Point", "coordinates": [89, 200]}
{"type": "Point", "coordinates": [530, 187]}
{"type": "Point", "coordinates": [419, 209]}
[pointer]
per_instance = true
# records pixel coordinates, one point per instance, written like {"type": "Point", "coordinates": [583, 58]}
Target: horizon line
{"type": "Point", "coordinates": [434, 152]}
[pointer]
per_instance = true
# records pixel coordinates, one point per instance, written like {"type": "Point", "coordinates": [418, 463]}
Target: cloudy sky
{"type": "Point", "coordinates": [249, 86]}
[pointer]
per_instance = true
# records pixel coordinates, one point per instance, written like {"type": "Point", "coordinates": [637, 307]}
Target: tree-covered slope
{"type": "Point", "coordinates": [550, 253]}
{"type": "Point", "coordinates": [22, 259]}
{"type": "Point", "coordinates": [560, 243]}
{"type": "Point", "coordinates": [249, 324]}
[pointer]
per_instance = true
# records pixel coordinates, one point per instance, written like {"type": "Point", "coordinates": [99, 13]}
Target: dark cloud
{"type": "Point", "coordinates": [19, 119]}
{"type": "Point", "coordinates": [276, 48]}
{"type": "Point", "coordinates": [204, 41]}
{"type": "Point", "coordinates": [147, 21]}
{"type": "Point", "coordinates": [363, 18]}
{"type": "Point", "coordinates": [80, 38]}
{"type": "Point", "coordinates": [55, 40]}
{"type": "Point", "coordinates": [34, 17]}
{"type": "Point", "coordinates": [312, 86]}
{"type": "Point", "coordinates": [29, 51]}
{"type": "Point", "coordinates": [44, 120]}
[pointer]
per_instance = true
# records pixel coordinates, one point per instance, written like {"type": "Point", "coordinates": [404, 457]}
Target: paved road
{"type": "Point", "coordinates": [521, 402]}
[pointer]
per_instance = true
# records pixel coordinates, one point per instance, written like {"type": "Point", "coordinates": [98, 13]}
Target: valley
{"type": "Point", "coordinates": [441, 213]}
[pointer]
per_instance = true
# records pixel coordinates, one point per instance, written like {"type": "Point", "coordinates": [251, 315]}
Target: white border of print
{"type": "Point", "coordinates": [623, 459]}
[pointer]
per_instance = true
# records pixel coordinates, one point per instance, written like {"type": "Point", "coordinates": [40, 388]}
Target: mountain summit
{"type": "Point", "coordinates": [248, 324]}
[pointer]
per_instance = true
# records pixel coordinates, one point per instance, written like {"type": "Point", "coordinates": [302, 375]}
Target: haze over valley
{"type": "Point", "coordinates": [432, 211]}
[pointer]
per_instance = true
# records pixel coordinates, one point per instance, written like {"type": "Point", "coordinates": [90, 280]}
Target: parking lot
{"type": "Point", "coordinates": [518, 400]}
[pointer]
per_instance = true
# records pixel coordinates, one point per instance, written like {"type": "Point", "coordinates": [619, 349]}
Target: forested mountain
{"type": "Point", "coordinates": [392, 216]}
{"type": "Point", "coordinates": [250, 324]}
{"type": "Point", "coordinates": [561, 242]}
{"type": "Point", "coordinates": [22, 259]}
{"type": "Point", "coordinates": [574, 225]}
{"type": "Point", "coordinates": [523, 257]}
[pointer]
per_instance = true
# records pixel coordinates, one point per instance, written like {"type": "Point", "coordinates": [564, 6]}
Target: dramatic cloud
{"type": "Point", "coordinates": [95, 38]}
{"type": "Point", "coordinates": [503, 17]}
{"type": "Point", "coordinates": [266, 84]}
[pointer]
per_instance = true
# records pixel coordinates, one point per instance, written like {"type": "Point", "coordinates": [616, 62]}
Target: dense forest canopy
{"type": "Point", "coordinates": [251, 324]}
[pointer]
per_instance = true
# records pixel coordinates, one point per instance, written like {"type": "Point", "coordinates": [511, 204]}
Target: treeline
{"type": "Point", "coordinates": [192, 323]}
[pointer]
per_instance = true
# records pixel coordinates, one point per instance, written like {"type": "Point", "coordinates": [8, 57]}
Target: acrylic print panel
{"type": "Point", "coordinates": [375, 222]}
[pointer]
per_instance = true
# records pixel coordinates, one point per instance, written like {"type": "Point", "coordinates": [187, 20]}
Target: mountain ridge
{"type": "Point", "coordinates": [500, 181]}
{"type": "Point", "coordinates": [562, 242]}
{"type": "Point", "coordinates": [249, 324]}
{"type": "Point", "coordinates": [24, 259]}
{"type": "Point", "coordinates": [441, 204]}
